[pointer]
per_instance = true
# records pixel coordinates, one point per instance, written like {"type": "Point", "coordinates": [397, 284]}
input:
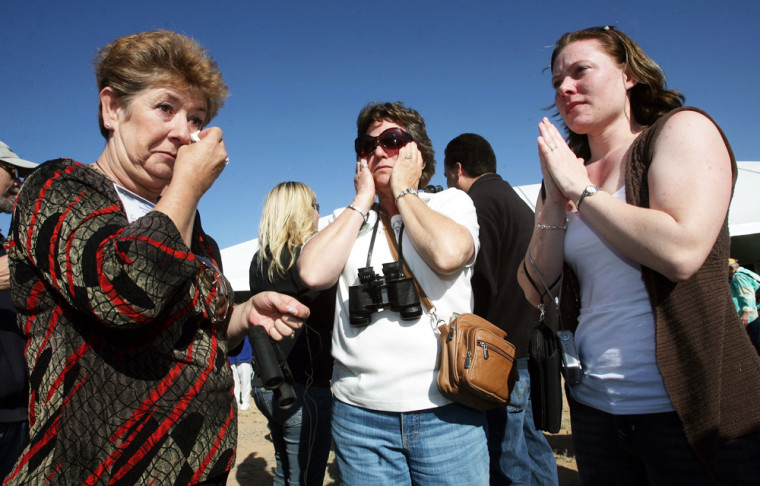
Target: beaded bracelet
{"type": "Point", "coordinates": [550, 227]}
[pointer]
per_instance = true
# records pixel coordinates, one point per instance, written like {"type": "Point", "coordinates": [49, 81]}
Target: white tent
{"type": "Point", "coordinates": [743, 222]}
{"type": "Point", "coordinates": [236, 261]}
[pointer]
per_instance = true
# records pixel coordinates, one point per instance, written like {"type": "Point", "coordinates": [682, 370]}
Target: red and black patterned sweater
{"type": "Point", "coordinates": [128, 377]}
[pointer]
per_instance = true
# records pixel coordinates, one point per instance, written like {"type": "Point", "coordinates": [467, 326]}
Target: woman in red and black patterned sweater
{"type": "Point", "coordinates": [127, 318]}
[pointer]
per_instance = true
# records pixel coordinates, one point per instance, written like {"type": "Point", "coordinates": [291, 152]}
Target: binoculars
{"type": "Point", "coordinates": [376, 292]}
{"type": "Point", "coordinates": [272, 368]}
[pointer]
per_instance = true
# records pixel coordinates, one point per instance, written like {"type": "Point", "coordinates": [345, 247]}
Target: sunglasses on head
{"type": "Point", "coordinates": [601, 28]}
{"type": "Point", "coordinates": [391, 139]}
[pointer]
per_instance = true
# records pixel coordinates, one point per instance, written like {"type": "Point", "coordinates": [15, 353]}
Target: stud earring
{"type": "Point", "coordinates": [108, 124]}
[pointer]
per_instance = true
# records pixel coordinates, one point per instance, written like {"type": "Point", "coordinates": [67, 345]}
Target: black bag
{"type": "Point", "coordinates": [544, 366]}
{"type": "Point", "coordinates": [545, 382]}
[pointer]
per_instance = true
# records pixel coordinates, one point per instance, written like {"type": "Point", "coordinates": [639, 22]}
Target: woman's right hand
{"type": "Point", "coordinates": [564, 173]}
{"type": "Point", "coordinates": [364, 184]}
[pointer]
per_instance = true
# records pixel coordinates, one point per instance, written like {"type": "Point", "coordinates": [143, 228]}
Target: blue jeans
{"type": "Point", "coordinates": [438, 446]}
{"type": "Point", "coordinates": [13, 438]}
{"type": "Point", "coordinates": [520, 454]}
{"type": "Point", "coordinates": [301, 434]}
{"type": "Point", "coordinates": [651, 449]}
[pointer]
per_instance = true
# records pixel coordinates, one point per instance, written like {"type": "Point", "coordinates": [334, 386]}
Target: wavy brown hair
{"type": "Point", "coordinates": [650, 98]}
{"type": "Point", "coordinates": [412, 122]}
{"type": "Point", "coordinates": [136, 62]}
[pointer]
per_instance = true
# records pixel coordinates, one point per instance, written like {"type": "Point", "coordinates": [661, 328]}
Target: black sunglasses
{"type": "Point", "coordinates": [391, 139]}
{"type": "Point", "coordinates": [601, 28]}
{"type": "Point", "coordinates": [12, 170]}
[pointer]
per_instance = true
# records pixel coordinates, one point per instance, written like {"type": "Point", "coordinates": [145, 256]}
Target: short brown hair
{"type": "Point", "coordinates": [136, 62]}
{"type": "Point", "coordinates": [650, 98]}
{"type": "Point", "coordinates": [412, 122]}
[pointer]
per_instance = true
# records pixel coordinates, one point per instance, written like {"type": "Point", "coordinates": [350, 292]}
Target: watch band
{"type": "Point", "coordinates": [406, 191]}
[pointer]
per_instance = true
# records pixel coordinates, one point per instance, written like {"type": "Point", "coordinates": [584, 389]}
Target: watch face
{"type": "Point", "coordinates": [591, 190]}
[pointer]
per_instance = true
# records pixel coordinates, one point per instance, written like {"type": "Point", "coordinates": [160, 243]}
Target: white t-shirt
{"type": "Point", "coordinates": [615, 335]}
{"type": "Point", "coordinates": [391, 364]}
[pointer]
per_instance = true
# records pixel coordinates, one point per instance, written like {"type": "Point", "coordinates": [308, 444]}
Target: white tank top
{"type": "Point", "coordinates": [615, 335]}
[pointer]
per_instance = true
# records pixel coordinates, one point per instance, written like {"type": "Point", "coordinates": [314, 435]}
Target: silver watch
{"type": "Point", "coordinates": [589, 191]}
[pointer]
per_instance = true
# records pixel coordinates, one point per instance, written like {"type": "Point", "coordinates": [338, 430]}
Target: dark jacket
{"type": "Point", "coordinates": [506, 227]}
{"type": "Point", "coordinates": [309, 356]}
{"type": "Point", "coordinates": [14, 385]}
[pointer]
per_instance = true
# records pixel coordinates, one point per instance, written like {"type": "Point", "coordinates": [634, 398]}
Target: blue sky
{"type": "Point", "coordinates": [300, 71]}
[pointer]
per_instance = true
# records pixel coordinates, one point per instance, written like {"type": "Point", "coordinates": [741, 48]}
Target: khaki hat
{"type": "Point", "coordinates": [9, 157]}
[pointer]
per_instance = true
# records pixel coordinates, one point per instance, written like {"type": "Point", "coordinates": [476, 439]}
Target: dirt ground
{"type": "Point", "coordinates": [255, 455]}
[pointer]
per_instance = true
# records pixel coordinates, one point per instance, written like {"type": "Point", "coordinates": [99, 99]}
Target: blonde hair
{"type": "Point", "coordinates": [287, 222]}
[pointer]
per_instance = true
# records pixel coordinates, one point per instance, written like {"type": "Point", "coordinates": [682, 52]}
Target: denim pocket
{"type": "Point", "coordinates": [518, 399]}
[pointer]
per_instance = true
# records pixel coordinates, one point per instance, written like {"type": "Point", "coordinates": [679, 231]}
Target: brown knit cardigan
{"type": "Point", "coordinates": [710, 369]}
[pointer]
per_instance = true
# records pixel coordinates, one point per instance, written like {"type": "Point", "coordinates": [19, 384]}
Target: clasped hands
{"type": "Point", "coordinates": [565, 175]}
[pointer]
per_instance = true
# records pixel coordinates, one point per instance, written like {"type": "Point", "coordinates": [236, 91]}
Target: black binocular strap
{"type": "Point", "coordinates": [398, 256]}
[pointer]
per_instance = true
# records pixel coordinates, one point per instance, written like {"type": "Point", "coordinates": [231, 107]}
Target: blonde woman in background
{"type": "Point", "coordinates": [301, 434]}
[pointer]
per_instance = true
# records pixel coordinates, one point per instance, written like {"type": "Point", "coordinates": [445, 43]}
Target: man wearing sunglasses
{"type": "Point", "coordinates": [14, 425]}
{"type": "Point", "coordinates": [520, 454]}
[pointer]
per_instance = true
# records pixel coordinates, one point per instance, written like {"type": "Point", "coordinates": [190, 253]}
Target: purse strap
{"type": "Point", "coordinates": [546, 292]}
{"type": "Point", "coordinates": [395, 247]}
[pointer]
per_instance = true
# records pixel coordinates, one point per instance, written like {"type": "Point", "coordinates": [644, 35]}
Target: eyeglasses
{"type": "Point", "coordinates": [215, 291]}
{"type": "Point", "coordinates": [391, 139]}
{"type": "Point", "coordinates": [315, 206]}
{"type": "Point", "coordinates": [12, 170]}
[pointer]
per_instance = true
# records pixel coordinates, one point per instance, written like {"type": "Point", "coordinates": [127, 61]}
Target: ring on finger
{"type": "Point", "coordinates": [552, 148]}
{"type": "Point", "coordinates": [408, 156]}
{"type": "Point", "coordinates": [363, 166]}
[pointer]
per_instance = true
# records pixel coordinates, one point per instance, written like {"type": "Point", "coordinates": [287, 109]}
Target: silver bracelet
{"type": "Point", "coordinates": [550, 227]}
{"type": "Point", "coordinates": [355, 208]}
{"type": "Point", "coordinates": [405, 192]}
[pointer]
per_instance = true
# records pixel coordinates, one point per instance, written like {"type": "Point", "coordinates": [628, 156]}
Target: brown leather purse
{"type": "Point", "coordinates": [477, 366]}
{"type": "Point", "coordinates": [477, 363]}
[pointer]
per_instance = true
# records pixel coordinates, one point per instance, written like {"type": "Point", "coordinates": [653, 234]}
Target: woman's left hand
{"type": "Point", "coordinates": [407, 170]}
{"type": "Point", "coordinates": [199, 164]}
{"type": "Point", "coordinates": [567, 172]}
